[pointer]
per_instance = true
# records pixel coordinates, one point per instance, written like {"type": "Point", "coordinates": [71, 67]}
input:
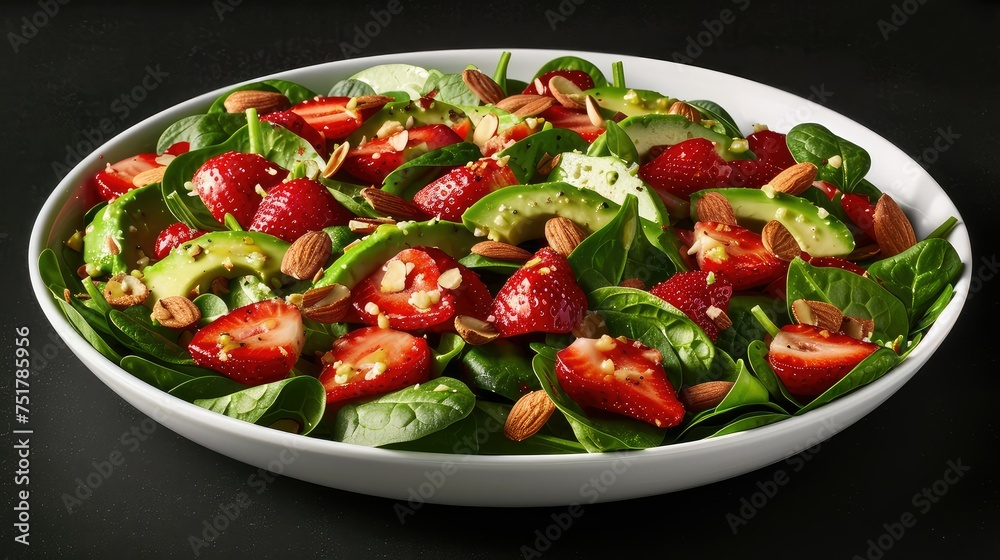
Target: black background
{"type": "Point", "coordinates": [929, 68]}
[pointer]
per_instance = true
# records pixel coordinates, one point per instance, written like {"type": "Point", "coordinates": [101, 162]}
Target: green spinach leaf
{"type": "Point", "coordinates": [410, 177]}
{"type": "Point", "coordinates": [451, 89]}
{"type": "Point", "coordinates": [746, 328]}
{"type": "Point", "coordinates": [919, 274]}
{"type": "Point", "coordinates": [81, 325]}
{"type": "Point", "coordinates": [870, 369]}
{"type": "Point", "coordinates": [526, 155]}
{"type": "Point", "coordinates": [500, 367]}
{"type": "Point", "coordinates": [935, 309]}
{"type": "Point", "coordinates": [757, 356]}
{"type": "Point", "coordinates": [200, 131]}
{"type": "Point", "coordinates": [620, 144]}
{"type": "Point", "coordinates": [350, 88]}
{"type": "Point", "coordinates": [299, 399]}
{"type": "Point", "coordinates": [136, 331]}
{"type": "Point", "coordinates": [492, 416]}
{"type": "Point", "coordinates": [449, 347]}
{"type": "Point", "coordinates": [211, 306]}
{"type": "Point", "coordinates": [713, 111]}
{"type": "Point", "coordinates": [159, 376]}
{"type": "Point", "coordinates": [810, 142]}
{"type": "Point", "coordinates": [573, 63]}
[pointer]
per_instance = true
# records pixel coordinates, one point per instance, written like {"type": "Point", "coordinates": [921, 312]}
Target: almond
{"type": "Point", "coordinates": [501, 251]}
{"type": "Point", "coordinates": [714, 207]}
{"type": "Point", "coordinates": [563, 235]}
{"type": "Point", "coordinates": [594, 112]}
{"type": "Point", "coordinates": [486, 129]}
{"type": "Point", "coordinates": [818, 313]}
{"type": "Point", "coordinates": [547, 163]}
{"type": "Point", "coordinates": [176, 312]}
{"type": "Point", "coordinates": [220, 286]}
{"type": "Point", "coordinates": [366, 226]}
{"type": "Point", "coordinates": [149, 176]}
{"type": "Point", "coordinates": [534, 107]}
{"type": "Point", "coordinates": [779, 241]}
{"type": "Point", "coordinates": [704, 396]}
{"type": "Point", "coordinates": [328, 304]}
{"type": "Point", "coordinates": [528, 415]}
{"type": "Point", "coordinates": [475, 331]}
{"type": "Point", "coordinates": [307, 255]}
{"type": "Point", "coordinates": [124, 290]}
{"type": "Point", "coordinates": [365, 102]}
{"type": "Point", "coordinates": [794, 180]}
{"type": "Point", "coordinates": [858, 328]}
{"type": "Point", "coordinates": [893, 230]}
{"type": "Point", "coordinates": [687, 111]}
{"type": "Point", "coordinates": [567, 93]}
{"type": "Point", "coordinates": [392, 205]}
{"type": "Point", "coordinates": [263, 101]}
{"type": "Point", "coordinates": [337, 158]}
{"type": "Point", "coordinates": [514, 102]}
{"type": "Point", "coordinates": [719, 317]}
{"type": "Point", "coordinates": [483, 86]}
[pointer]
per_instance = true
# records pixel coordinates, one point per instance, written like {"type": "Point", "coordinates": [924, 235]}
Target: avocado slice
{"type": "Point", "coordinates": [424, 111]}
{"type": "Point", "coordinates": [655, 129]}
{"type": "Point", "coordinates": [130, 224]}
{"type": "Point", "coordinates": [192, 266]}
{"type": "Point", "coordinates": [817, 232]}
{"type": "Point", "coordinates": [612, 179]}
{"type": "Point", "coordinates": [629, 101]}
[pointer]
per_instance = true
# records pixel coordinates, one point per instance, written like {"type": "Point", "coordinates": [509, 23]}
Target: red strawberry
{"type": "Point", "coordinates": [172, 236]}
{"type": "Point", "coordinates": [570, 119]}
{"type": "Point", "coordinates": [737, 254]}
{"type": "Point", "coordinates": [329, 116]}
{"type": "Point", "coordinates": [578, 77]}
{"type": "Point", "coordinates": [371, 361]}
{"type": "Point", "coordinates": [773, 157]}
{"type": "Point", "coordinates": [829, 189]}
{"type": "Point", "coordinates": [377, 157]}
{"type": "Point", "coordinates": [810, 360]}
{"type": "Point", "coordinates": [835, 262]}
{"type": "Point", "coordinates": [116, 180]}
{"type": "Point", "coordinates": [684, 168]}
{"type": "Point", "coordinates": [621, 376]}
{"type": "Point", "coordinates": [291, 209]}
{"type": "Point", "coordinates": [694, 293]}
{"type": "Point", "coordinates": [541, 296]}
{"type": "Point", "coordinates": [293, 122]}
{"type": "Point", "coordinates": [178, 148]}
{"type": "Point", "coordinates": [254, 344]}
{"type": "Point", "coordinates": [228, 183]}
{"type": "Point", "coordinates": [508, 136]}
{"type": "Point", "coordinates": [861, 211]}
{"type": "Point", "coordinates": [452, 193]}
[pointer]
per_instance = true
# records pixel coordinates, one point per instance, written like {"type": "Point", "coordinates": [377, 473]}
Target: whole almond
{"type": "Point", "coordinates": [501, 251]}
{"type": "Point", "coordinates": [818, 313]}
{"type": "Point", "coordinates": [392, 205]}
{"type": "Point", "coordinates": [893, 230]}
{"type": "Point", "coordinates": [534, 107]}
{"type": "Point", "coordinates": [715, 207]}
{"type": "Point", "coordinates": [482, 86]}
{"type": "Point", "coordinates": [567, 93]}
{"type": "Point", "coordinates": [704, 396]}
{"type": "Point", "coordinates": [307, 255]}
{"type": "Point", "coordinates": [512, 103]}
{"type": "Point", "coordinates": [124, 290]}
{"type": "Point", "coordinates": [687, 111]}
{"type": "Point", "coordinates": [366, 102]}
{"type": "Point", "coordinates": [780, 242]}
{"type": "Point", "coordinates": [475, 331]}
{"type": "Point", "coordinates": [149, 176]}
{"type": "Point", "coordinates": [795, 179]}
{"type": "Point", "coordinates": [528, 415]}
{"type": "Point", "coordinates": [263, 101]}
{"type": "Point", "coordinates": [563, 235]}
{"type": "Point", "coordinates": [328, 304]}
{"type": "Point", "coordinates": [176, 312]}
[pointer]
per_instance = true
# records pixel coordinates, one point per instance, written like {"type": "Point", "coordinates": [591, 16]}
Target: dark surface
{"type": "Point", "coordinates": [936, 72]}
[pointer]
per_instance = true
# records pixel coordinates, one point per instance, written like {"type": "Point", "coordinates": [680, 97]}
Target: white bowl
{"type": "Point", "coordinates": [522, 480]}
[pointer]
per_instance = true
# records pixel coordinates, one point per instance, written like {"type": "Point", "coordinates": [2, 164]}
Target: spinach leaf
{"type": "Point", "coordinates": [917, 275]}
{"type": "Point", "coordinates": [136, 331]}
{"type": "Point", "coordinates": [159, 376]}
{"type": "Point", "coordinates": [294, 92]}
{"type": "Point", "coordinates": [350, 88]}
{"type": "Point", "coordinates": [480, 262]}
{"type": "Point", "coordinates": [92, 212]}
{"type": "Point", "coordinates": [500, 367]}
{"type": "Point", "coordinates": [55, 276]}
{"type": "Point", "coordinates": [246, 290]}
{"type": "Point", "coordinates": [408, 178]}
{"type": "Point", "coordinates": [74, 317]}
{"type": "Point", "coordinates": [200, 131]}
{"type": "Point", "coordinates": [206, 387]}
{"type": "Point", "coordinates": [713, 111]}
{"type": "Point", "coordinates": [526, 154]}
{"type": "Point", "coordinates": [935, 309]}
{"type": "Point", "coordinates": [211, 306]}
{"type": "Point", "coordinates": [620, 144]}
{"type": "Point", "coordinates": [500, 73]}
{"type": "Point", "coordinates": [459, 437]}
{"type": "Point", "coordinates": [687, 351]}
{"type": "Point", "coordinates": [451, 89]}
{"type": "Point", "coordinates": [746, 328]}
{"type": "Point", "coordinates": [746, 389]}
{"type": "Point", "coordinates": [757, 356]}
{"type": "Point", "coordinates": [320, 336]}
{"type": "Point", "coordinates": [607, 433]}
{"type": "Point", "coordinates": [870, 369]}
{"type": "Point", "coordinates": [853, 294]}
{"type": "Point", "coordinates": [449, 347]}
{"type": "Point", "coordinates": [816, 144]}
{"type": "Point", "coordinates": [492, 417]}
{"type": "Point", "coordinates": [299, 399]}
{"type": "Point", "coordinates": [749, 421]}
{"type": "Point", "coordinates": [573, 63]}
{"type": "Point", "coordinates": [404, 415]}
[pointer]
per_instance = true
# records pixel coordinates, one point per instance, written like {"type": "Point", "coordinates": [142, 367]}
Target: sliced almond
{"type": "Point", "coordinates": [795, 179]}
{"type": "Point", "coordinates": [366, 102]}
{"type": "Point", "coordinates": [307, 255]}
{"type": "Point", "coordinates": [475, 331]}
{"type": "Point", "coordinates": [124, 290]}
{"type": "Point", "coordinates": [528, 415]}
{"type": "Point", "coordinates": [328, 304]}
{"type": "Point", "coordinates": [563, 235]}
{"type": "Point", "coordinates": [704, 396]}
{"type": "Point", "coordinates": [392, 205]}
{"type": "Point", "coordinates": [779, 241]}
{"type": "Point", "coordinates": [365, 226]}
{"type": "Point", "coordinates": [263, 101]}
{"type": "Point", "coordinates": [483, 86]}
{"type": "Point", "coordinates": [858, 328]}
{"type": "Point", "coordinates": [176, 312]}
{"type": "Point", "coordinates": [337, 158]}
{"type": "Point", "coordinates": [547, 163]}
{"type": "Point", "coordinates": [567, 93]}
{"type": "Point", "coordinates": [501, 251]}
{"type": "Point", "coordinates": [486, 129]}
{"type": "Point", "coordinates": [399, 140]}
{"type": "Point", "coordinates": [594, 112]}
{"type": "Point", "coordinates": [818, 313]}
{"type": "Point", "coordinates": [719, 317]}
{"type": "Point", "coordinates": [112, 244]}
{"type": "Point", "coordinates": [715, 207]}
{"type": "Point", "coordinates": [687, 111]}
{"type": "Point", "coordinates": [149, 176]}
{"type": "Point", "coordinates": [893, 230]}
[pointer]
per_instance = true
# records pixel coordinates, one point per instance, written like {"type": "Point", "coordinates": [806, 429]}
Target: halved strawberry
{"type": "Point", "coordinates": [578, 77]}
{"type": "Point", "coordinates": [861, 211]}
{"type": "Point", "coordinates": [509, 135]}
{"type": "Point", "coordinates": [621, 376]}
{"type": "Point", "coordinates": [330, 116]}
{"type": "Point", "coordinates": [293, 208]}
{"type": "Point", "coordinates": [684, 168]}
{"type": "Point", "coordinates": [254, 344]}
{"type": "Point", "coordinates": [172, 236]}
{"type": "Point", "coordinates": [116, 179]}
{"type": "Point", "coordinates": [773, 157]}
{"type": "Point", "coordinates": [737, 254]}
{"type": "Point", "coordinates": [570, 119]}
{"type": "Point", "coordinates": [451, 194]}
{"type": "Point", "coordinates": [295, 123]}
{"type": "Point", "coordinates": [232, 183]}
{"type": "Point", "coordinates": [378, 157]}
{"type": "Point", "coordinates": [178, 148]}
{"type": "Point", "coordinates": [541, 296]}
{"type": "Point", "coordinates": [810, 360]}
{"type": "Point", "coordinates": [694, 293]}
{"type": "Point", "coordinates": [371, 361]}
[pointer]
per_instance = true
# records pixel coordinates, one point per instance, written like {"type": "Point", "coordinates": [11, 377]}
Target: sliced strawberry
{"type": "Point", "coordinates": [829, 189]}
{"type": "Point", "coordinates": [810, 360]}
{"type": "Point", "coordinates": [694, 293]}
{"type": "Point", "coordinates": [232, 183]}
{"type": "Point", "coordinates": [861, 211]}
{"type": "Point", "coordinates": [116, 179]}
{"type": "Point", "coordinates": [570, 119]}
{"type": "Point", "coordinates": [541, 296]}
{"type": "Point", "coordinates": [508, 136]}
{"type": "Point", "coordinates": [773, 157]}
{"type": "Point", "coordinates": [737, 254]}
{"type": "Point", "coordinates": [578, 77]}
{"type": "Point", "coordinates": [371, 361]}
{"type": "Point", "coordinates": [835, 262]}
{"type": "Point", "coordinates": [330, 116]}
{"type": "Point", "coordinates": [472, 297]}
{"type": "Point", "coordinates": [301, 205]}
{"type": "Point", "coordinates": [172, 236]}
{"type": "Point", "coordinates": [451, 194]}
{"type": "Point", "coordinates": [295, 123]}
{"type": "Point", "coordinates": [684, 168]}
{"type": "Point", "coordinates": [254, 344]}
{"type": "Point", "coordinates": [178, 148]}
{"type": "Point", "coordinates": [621, 376]}
{"type": "Point", "coordinates": [377, 157]}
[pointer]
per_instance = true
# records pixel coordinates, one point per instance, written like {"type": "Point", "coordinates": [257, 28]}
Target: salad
{"type": "Point", "coordinates": [415, 254]}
